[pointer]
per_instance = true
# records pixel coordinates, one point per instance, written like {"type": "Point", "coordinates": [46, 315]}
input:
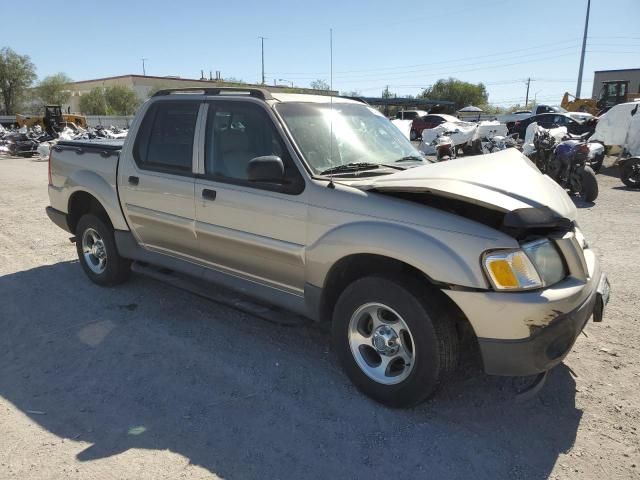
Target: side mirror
{"type": "Point", "coordinates": [266, 169]}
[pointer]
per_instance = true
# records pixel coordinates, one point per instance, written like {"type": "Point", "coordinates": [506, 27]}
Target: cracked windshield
{"type": "Point", "coordinates": [344, 135]}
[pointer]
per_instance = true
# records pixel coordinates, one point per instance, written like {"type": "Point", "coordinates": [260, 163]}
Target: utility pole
{"type": "Point", "coordinates": [584, 47]}
{"type": "Point", "coordinates": [526, 102]}
{"type": "Point", "coordinates": [144, 72]}
{"type": "Point", "coordinates": [262, 39]}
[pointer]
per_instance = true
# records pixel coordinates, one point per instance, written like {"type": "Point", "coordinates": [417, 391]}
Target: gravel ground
{"type": "Point", "coordinates": [148, 382]}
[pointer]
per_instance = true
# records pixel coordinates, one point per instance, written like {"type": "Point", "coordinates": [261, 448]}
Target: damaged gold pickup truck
{"type": "Point", "coordinates": [319, 205]}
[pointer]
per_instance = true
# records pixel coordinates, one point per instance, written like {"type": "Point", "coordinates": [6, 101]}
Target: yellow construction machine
{"type": "Point", "coordinates": [612, 93]}
{"type": "Point", "coordinates": [52, 118]}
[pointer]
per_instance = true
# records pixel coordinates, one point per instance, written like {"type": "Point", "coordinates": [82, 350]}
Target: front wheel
{"type": "Point", "coordinates": [588, 190]}
{"type": "Point", "coordinates": [395, 345]}
{"type": "Point", "coordinates": [98, 254]}
{"type": "Point", "coordinates": [630, 173]}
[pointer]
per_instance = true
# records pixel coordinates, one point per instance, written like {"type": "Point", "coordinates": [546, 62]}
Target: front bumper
{"type": "Point", "coordinates": [525, 333]}
{"type": "Point", "coordinates": [543, 350]}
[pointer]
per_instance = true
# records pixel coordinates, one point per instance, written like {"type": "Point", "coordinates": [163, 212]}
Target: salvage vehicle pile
{"type": "Point", "coordinates": [29, 142]}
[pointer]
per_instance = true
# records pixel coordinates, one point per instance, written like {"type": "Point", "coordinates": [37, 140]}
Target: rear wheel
{"type": "Point", "coordinates": [98, 254]}
{"type": "Point", "coordinates": [630, 173]}
{"type": "Point", "coordinates": [394, 345]}
{"type": "Point", "coordinates": [588, 189]}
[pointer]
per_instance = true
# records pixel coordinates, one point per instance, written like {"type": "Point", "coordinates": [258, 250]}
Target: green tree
{"type": "Point", "coordinates": [54, 90]}
{"type": "Point", "coordinates": [115, 100]}
{"type": "Point", "coordinates": [121, 100]}
{"type": "Point", "coordinates": [17, 73]}
{"type": "Point", "coordinates": [320, 84]}
{"type": "Point", "coordinates": [460, 93]}
{"type": "Point", "coordinates": [351, 93]}
{"type": "Point", "coordinates": [93, 102]}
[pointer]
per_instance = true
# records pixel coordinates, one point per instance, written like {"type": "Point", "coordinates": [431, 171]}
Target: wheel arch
{"type": "Point", "coordinates": [82, 202]}
{"type": "Point", "coordinates": [86, 182]}
{"type": "Point", "coordinates": [353, 267]}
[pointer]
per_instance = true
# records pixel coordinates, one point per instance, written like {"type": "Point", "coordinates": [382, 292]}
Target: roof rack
{"type": "Point", "coordinates": [260, 93]}
{"type": "Point", "coordinates": [356, 99]}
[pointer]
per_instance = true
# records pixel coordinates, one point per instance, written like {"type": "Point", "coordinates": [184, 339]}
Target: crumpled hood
{"type": "Point", "coordinates": [504, 181]}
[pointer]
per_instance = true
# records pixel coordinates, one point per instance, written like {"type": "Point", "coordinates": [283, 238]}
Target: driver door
{"type": "Point", "coordinates": [253, 230]}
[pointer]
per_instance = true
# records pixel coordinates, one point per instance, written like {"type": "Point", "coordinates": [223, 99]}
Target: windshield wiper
{"type": "Point", "coordinates": [411, 158]}
{"type": "Point", "coordinates": [350, 167]}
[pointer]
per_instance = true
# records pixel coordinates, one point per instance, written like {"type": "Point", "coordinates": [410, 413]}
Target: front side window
{"type": "Point", "coordinates": [343, 133]}
{"type": "Point", "coordinates": [165, 139]}
{"type": "Point", "coordinates": [238, 132]}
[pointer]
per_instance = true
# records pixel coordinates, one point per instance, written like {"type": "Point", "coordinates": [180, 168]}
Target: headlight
{"type": "Point", "coordinates": [536, 265]}
{"type": "Point", "coordinates": [546, 258]}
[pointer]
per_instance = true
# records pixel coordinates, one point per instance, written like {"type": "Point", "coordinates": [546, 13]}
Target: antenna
{"type": "Point", "coordinates": [331, 59]}
{"type": "Point", "coordinates": [144, 72]}
{"type": "Point", "coordinates": [331, 184]}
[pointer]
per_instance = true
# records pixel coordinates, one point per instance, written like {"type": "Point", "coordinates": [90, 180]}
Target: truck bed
{"type": "Point", "coordinates": [110, 144]}
{"type": "Point", "coordinates": [91, 165]}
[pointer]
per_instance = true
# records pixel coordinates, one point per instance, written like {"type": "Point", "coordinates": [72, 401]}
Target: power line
{"type": "Point", "coordinates": [450, 72]}
{"type": "Point", "coordinates": [444, 62]}
{"type": "Point", "coordinates": [483, 65]}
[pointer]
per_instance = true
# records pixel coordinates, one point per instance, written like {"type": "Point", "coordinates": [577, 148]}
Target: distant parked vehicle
{"type": "Point", "coordinates": [553, 120]}
{"type": "Point", "coordinates": [426, 122]}
{"type": "Point", "coordinates": [410, 114]}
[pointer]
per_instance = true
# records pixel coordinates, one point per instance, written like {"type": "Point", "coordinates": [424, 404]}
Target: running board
{"type": "Point", "coordinates": [219, 295]}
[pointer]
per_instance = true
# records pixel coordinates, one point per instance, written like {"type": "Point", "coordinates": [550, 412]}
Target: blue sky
{"type": "Point", "coordinates": [406, 45]}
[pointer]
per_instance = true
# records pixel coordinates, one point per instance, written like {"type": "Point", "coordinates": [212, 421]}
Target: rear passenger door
{"type": "Point", "coordinates": [253, 230]}
{"type": "Point", "coordinates": [156, 179]}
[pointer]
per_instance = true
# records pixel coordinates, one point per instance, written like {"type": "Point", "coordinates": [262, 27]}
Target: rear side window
{"type": "Point", "coordinates": [165, 140]}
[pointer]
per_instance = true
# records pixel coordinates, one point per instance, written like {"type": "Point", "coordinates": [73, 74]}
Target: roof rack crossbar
{"type": "Point", "coordinates": [260, 93]}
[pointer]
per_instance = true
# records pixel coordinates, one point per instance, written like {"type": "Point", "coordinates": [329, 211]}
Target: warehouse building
{"type": "Point", "coordinates": [144, 84]}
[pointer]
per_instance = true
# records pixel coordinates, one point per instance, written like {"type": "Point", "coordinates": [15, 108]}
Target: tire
{"type": "Point", "coordinates": [94, 238]}
{"type": "Point", "coordinates": [421, 329]}
{"type": "Point", "coordinates": [630, 173]}
{"type": "Point", "coordinates": [589, 184]}
{"type": "Point", "coordinates": [413, 135]}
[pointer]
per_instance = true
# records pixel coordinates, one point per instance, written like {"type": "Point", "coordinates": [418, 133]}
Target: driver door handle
{"type": "Point", "coordinates": [208, 194]}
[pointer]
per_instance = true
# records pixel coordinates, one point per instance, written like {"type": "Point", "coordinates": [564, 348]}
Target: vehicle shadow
{"type": "Point", "coordinates": [150, 367]}
{"type": "Point", "coordinates": [612, 170]}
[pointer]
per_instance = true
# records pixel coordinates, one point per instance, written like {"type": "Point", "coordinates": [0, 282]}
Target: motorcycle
{"type": "Point", "coordinates": [444, 146]}
{"type": "Point", "coordinates": [495, 143]}
{"type": "Point", "coordinates": [629, 169]}
{"type": "Point", "coordinates": [595, 158]}
{"type": "Point", "coordinates": [566, 163]}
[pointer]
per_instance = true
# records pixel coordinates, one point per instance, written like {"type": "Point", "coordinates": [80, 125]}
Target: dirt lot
{"type": "Point", "coordinates": [145, 381]}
